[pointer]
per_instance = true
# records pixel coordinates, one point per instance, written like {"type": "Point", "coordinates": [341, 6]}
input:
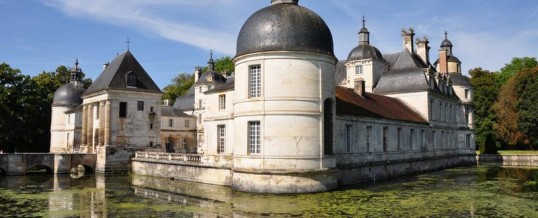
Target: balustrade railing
{"type": "Point", "coordinates": [208, 160]}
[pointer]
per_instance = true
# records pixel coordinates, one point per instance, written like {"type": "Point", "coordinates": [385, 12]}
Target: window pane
{"type": "Point", "coordinates": [140, 105]}
{"type": "Point", "coordinates": [255, 81]}
{"type": "Point", "coordinates": [254, 137]}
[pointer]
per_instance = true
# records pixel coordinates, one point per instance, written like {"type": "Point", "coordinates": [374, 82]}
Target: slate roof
{"type": "Point", "coordinates": [167, 111]}
{"type": "Point", "coordinates": [365, 52]}
{"type": "Point", "coordinates": [68, 95]}
{"type": "Point", "coordinates": [375, 106]}
{"type": "Point", "coordinates": [229, 85]}
{"type": "Point", "coordinates": [459, 80]}
{"type": "Point", "coordinates": [113, 76]}
{"type": "Point", "coordinates": [406, 74]}
{"type": "Point", "coordinates": [215, 76]}
{"type": "Point", "coordinates": [186, 101]}
{"type": "Point", "coordinates": [285, 27]}
{"type": "Point", "coordinates": [340, 74]}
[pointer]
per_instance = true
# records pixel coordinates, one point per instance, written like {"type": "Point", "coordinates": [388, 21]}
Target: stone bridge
{"type": "Point", "coordinates": [18, 164]}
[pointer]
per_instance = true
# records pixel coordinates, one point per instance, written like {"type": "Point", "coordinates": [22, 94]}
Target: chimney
{"type": "Point", "coordinates": [443, 64]}
{"type": "Point", "coordinates": [423, 50]}
{"type": "Point", "coordinates": [408, 39]}
{"type": "Point", "coordinates": [360, 86]}
{"type": "Point", "coordinates": [197, 73]}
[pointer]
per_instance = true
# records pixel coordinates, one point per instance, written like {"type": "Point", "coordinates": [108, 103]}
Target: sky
{"type": "Point", "coordinates": [169, 37]}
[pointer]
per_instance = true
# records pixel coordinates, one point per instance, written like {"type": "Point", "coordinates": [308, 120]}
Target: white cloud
{"type": "Point", "coordinates": [140, 14]}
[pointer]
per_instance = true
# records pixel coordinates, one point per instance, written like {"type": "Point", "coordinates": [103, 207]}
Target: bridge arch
{"type": "Point", "coordinates": [39, 169]}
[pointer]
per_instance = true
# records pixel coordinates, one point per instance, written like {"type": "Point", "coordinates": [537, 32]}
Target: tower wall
{"type": "Point", "coordinates": [290, 113]}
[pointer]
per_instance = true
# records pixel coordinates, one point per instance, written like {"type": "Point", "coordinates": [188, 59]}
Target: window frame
{"type": "Point", "coordinates": [140, 105]}
{"type": "Point", "coordinates": [254, 137]}
{"type": "Point", "coordinates": [359, 69]}
{"type": "Point", "coordinates": [221, 138]}
{"type": "Point", "coordinates": [254, 81]}
{"type": "Point", "coordinates": [222, 102]}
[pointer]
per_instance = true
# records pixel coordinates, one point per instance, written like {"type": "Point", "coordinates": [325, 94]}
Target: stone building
{"type": "Point", "coordinates": [292, 118]}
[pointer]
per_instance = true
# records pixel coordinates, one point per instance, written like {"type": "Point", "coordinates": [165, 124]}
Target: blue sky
{"type": "Point", "coordinates": [173, 36]}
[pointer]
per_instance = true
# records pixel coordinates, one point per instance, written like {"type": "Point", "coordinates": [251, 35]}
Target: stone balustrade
{"type": "Point", "coordinates": [211, 160]}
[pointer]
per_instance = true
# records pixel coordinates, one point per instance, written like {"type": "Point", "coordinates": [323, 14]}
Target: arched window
{"type": "Point", "coordinates": [328, 127]}
{"type": "Point", "coordinates": [130, 79]}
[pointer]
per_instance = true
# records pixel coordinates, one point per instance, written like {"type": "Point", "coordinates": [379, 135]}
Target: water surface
{"type": "Point", "coordinates": [483, 191]}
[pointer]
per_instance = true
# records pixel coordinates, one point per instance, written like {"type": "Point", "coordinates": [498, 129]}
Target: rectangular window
{"type": "Point", "coordinates": [140, 106]}
{"type": "Point", "coordinates": [368, 137]}
{"type": "Point", "coordinates": [221, 138]}
{"type": "Point", "coordinates": [255, 81]}
{"type": "Point", "coordinates": [358, 69]}
{"type": "Point", "coordinates": [200, 118]}
{"type": "Point", "coordinates": [466, 115]}
{"type": "Point", "coordinates": [411, 138]}
{"type": "Point", "coordinates": [123, 109]}
{"type": "Point", "coordinates": [399, 138]}
{"type": "Point", "coordinates": [151, 109]}
{"type": "Point", "coordinates": [385, 135]}
{"type": "Point", "coordinates": [254, 142]}
{"type": "Point", "coordinates": [199, 104]}
{"type": "Point", "coordinates": [171, 122]}
{"type": "Point", "coordinates": [423, 139]}
{"type": "Point", "coordinates": [186, 123]}
{"type": "Point", "coordinates": [431, 109]}
{"type": "Point", "coordinates": [69, 119]}
{"type": "Point", "coordinates": [433, 140]}
{"type": "Point", "coordinates": [348, 138]}
{"type": "Point", "coordinates": [468, 140]}
{"type": "Point", "coordinates": [222, 102]}
{"type": "Point", "coordinates": [466, 93]}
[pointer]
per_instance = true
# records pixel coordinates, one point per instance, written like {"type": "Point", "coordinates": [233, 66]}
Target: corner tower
{"type": "Point", "coordinates": [284, 102]}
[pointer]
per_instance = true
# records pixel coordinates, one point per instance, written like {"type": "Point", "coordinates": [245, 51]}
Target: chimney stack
{"type": "Point", "coordinates": [408, 39]}
{"type": "Point", "coordinates": [197, 73]}
{"type": "Point", "coordinates": [423, 49]}
{"type": "Point", "coordinates": [443, 63]}
{"type": "Point", "coordinates": [360, 86]}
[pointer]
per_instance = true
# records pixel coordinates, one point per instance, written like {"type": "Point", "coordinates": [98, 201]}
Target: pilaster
{"type": "Point", "coordinates": [107, 121]}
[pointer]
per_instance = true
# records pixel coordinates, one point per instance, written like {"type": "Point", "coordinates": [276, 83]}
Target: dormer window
{"type": "Point", "coordinates": [358, 69]}
{"type": "Point", "coordinates": [130, 79]}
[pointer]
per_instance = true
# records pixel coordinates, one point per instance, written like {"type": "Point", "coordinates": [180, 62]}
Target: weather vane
{"type": "Point", "coordinates": [128, 43]}
{"type": "Point", "coordinates": [363, 21]}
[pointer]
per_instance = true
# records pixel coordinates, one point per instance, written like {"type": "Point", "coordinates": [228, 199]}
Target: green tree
{"type": "Point", "coordinates": [485, 95]}
{"type": "Point", "coordinates": [17, 97]}
{"type": "Point", "coordinates": [26, 108]}
{"type": "Point", "coordinates": [180, 85]}
{"type": "Point", "coordinates": [514, 67]}
{"type": "Point", "coordinates": [516, 109]}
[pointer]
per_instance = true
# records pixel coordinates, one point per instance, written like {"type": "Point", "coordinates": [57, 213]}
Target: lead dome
{"type": "Point", "coordinates": [285, 26]}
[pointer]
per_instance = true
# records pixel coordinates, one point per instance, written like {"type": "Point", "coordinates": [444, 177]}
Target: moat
{"type": "Point", "coordinates": [482, 191]}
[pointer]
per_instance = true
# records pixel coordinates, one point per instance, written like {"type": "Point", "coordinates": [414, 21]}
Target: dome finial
{"type": "Point", "coordinates": [274, 2]}
{"type": "Point", "coordinates": [446, 35]}
{"type": "Point", "coordinates": [76, 63]}
{"type": "Point", "coordinates": [363, 21]}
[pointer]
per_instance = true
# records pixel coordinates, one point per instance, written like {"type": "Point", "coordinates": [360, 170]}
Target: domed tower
{"type": "Point", "coordinates": [364, 63]}
{"type": "Point", "coordinates": [453, 63]}
{"type": "Point", "coordinates": [66, 118]}
{"type": "Point", "coordinates": [284, 102]}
